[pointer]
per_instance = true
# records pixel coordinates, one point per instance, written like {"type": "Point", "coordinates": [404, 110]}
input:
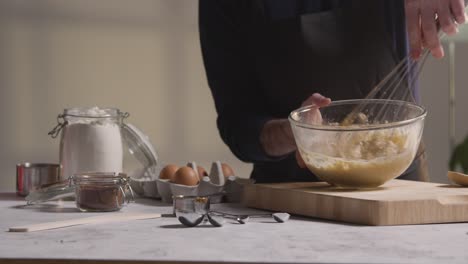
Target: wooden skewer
{"type": "Point", "coordinates": [116, 217]}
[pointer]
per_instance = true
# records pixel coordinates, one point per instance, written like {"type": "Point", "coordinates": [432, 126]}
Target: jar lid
{"type": "Point", "coordinates": [54, 192]}
{"type": "Point", "coordinates": [98, 178]}
{"type": "Point", "coordinates": [139, 145]}
{"type": "Point", "coordinates": [92, 112]}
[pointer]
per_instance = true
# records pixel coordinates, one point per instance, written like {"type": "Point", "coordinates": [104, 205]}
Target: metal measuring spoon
{"type": "Point", "coordinates": [278, 217]}
{"type": "Point", "coordinates": [216, 221]}
{"type": "Point", "coordinates": [243, 219]}
{"type": "Point", "coordinates": [190, 219]}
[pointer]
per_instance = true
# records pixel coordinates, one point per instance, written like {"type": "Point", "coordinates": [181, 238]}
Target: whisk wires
{"type": "Point", "coordinates": [397, 85]}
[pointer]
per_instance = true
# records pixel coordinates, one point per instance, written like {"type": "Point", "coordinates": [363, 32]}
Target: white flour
{"type": "Point", "coordinates": [91, 146]}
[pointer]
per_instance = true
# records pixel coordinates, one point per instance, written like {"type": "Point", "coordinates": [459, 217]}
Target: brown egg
{"type": "Point", "coordinates": [168, 172]}
{"type": "Point", "coordinates": [227, 170]}
{"type": "Point", "coordinates": [201, 172]}
{"type": "Point", "coordinates": [185, 176]}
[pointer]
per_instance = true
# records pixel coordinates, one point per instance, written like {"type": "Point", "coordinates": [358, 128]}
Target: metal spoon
{"type": "Point", "coordinates": [216, 221]}
{"type": "Point", "coordinates": [243, 219]}
{"type": "Point", "coordinates": [190, 220]}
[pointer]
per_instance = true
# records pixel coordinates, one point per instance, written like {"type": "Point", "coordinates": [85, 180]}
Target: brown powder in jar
{"type": "Point", "coordinates": [99, 198]}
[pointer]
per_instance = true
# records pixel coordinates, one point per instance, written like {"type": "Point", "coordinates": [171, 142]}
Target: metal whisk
{"type": "Point", "coordinates": [397, 85]}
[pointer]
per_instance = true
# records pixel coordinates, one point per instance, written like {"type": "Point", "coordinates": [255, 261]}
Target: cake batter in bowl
{"type": "Point", "coordinates": [378, 146]}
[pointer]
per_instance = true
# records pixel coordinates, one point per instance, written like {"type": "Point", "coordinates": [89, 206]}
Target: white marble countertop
{"type": "Point", "coordinates": [164, 240]}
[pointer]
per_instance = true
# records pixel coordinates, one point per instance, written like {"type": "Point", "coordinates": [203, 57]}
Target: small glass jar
{"type": "Point", "coordinates": [101, 192]}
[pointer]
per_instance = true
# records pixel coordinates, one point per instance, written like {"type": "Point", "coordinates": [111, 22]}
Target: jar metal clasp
{"type": "Point", "coordinates": [124, 187]}
{"type": "Point", "coordinates": [61, 122]}
{"type": "Point", "coordinates": [124, 115]}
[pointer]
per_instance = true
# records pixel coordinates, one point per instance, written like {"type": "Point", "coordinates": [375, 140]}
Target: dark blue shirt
{"type": "Point", "coordinates": [229, 30]}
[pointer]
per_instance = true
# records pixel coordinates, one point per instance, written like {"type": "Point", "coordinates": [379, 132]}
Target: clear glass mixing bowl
{"type": "Point", "coordinates": [378, 145]}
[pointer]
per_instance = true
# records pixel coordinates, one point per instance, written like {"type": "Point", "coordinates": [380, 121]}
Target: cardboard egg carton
{"type": "Point", "coordinates": [143, 181]}
{"type": "Point", "coordinates": [215, 185]}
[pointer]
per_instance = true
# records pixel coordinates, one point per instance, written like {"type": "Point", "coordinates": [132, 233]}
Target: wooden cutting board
{"type": "Point", "coordinates": [398, 202]}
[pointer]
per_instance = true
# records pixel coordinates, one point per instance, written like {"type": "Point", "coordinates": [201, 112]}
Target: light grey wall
{"type": "Point", "coordinates": [143, 57]}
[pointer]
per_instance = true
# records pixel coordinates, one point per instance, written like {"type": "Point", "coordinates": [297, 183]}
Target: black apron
{"type": "Point", "coordinates": [341, 53]}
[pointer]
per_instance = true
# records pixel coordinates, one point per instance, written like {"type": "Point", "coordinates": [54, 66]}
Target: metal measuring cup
{"type": "Point", "coordinates": [35, 176]}
{"type": "Point", "coordinates": [194, 210]}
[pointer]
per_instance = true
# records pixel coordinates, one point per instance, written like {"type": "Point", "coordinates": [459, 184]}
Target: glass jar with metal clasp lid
{"type": "Point", "coordinates": [93, 191]}
{"type": "Point", "coordinates": [101, 192]}
{"type": "Point", "coordinates": [91, 141]}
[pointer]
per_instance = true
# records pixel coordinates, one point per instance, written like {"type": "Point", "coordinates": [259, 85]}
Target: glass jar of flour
{"type": "Point", "coordinates": [92, 140]}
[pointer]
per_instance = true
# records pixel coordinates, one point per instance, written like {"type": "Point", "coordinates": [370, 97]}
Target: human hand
{"type": "Point", "coordinates": [313, 117]}
{"type": "Point", "coordinates": [422, 19]}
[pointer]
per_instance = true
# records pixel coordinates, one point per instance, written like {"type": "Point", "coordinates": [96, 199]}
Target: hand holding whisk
{"type": "Point", "coordinates": [427, 22]}
{"type": "Point", "coordinates": [397, 85]}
